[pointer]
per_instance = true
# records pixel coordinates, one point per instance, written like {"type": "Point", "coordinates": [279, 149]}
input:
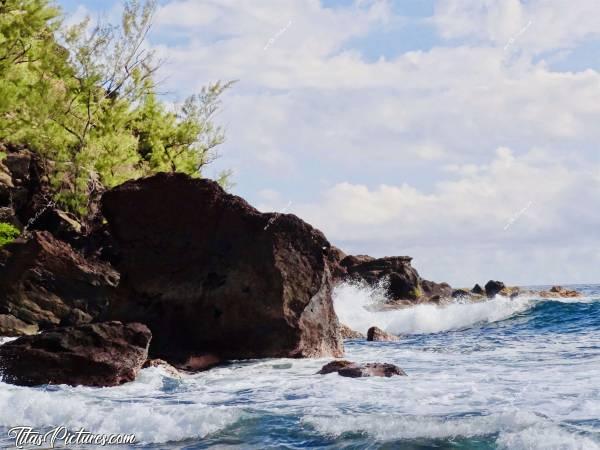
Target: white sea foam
{"type": "Point", "coordinates": [354, 307]}
{"type": "Point", "coordinates": [139, 408]}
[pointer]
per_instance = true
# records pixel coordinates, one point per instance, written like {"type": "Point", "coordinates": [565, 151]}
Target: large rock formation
{"type": "Point", "coordinates": [394, 273]}
{"type": "Point", "coordinates": [101, 354]}
{"type": "Point", "coordinates": [208, 273]}
{"type": "Point", "coordinates": [44, 283]}
{"type": "Point", "coordinates": [402, 280]}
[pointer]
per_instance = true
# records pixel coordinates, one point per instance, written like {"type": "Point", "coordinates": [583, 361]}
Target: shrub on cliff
{"type": "Point", "coordinates": [8, 233]}
{"type": "Point", "coordinates": [85, 99]}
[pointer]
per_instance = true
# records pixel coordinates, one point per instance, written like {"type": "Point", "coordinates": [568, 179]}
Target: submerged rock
{"type": "Point", "coordinates": [493, 287]}
{"type": "Point", "coordinates": [378, 335]}
{"type": "Point", "coordinates": [101, 354]}
{"type": "Point", "coordinates": [349, 333]}
{"type": "Point", "coordinates": [209, 274]}
{"type": "Point", "coordinates": [44, 283]}
{"type": "Point", "coordinates": [354, 370]}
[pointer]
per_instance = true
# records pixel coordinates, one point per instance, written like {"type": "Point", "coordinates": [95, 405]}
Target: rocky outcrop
{"type": "Point", "coordinates": [349, 333]}
{"type": "Point", "coordinates": [101, 354]}
{"type": "Point", "coordinates": [203, 270]}
{"type": "Point", "coordinates": [401, 280]}
{"type": "Point", "coordinates": [44, 283]}
{"type": "Point", "coordinates": [493, 287]}
{"type": "Point", "coordinates": [477, 290]}
{"type": "Point", "coordinates": [559, 292]}
{"type": "Point", "coordinates": [354, 370]}
{"type": "Point", "coordinates": [378, 335]}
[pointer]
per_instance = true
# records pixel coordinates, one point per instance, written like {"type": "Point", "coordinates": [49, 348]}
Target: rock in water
{"type": "Point", "coordinates": [44, 283]}
{"type": "Point", "coordinates": [354, 370]}
{"type": "Point", "coordinates": [209, 274]}
{"type": "Point", "coordinates": [493, 287]}
{"type": "Point", "coordinates": [100, 354]}
{"type": "Point", "coordinates": [349, 333]}
{"type": "Point", "coordinates": [403, 280]}
{"type": "Point", "coordinates": [378, 335]}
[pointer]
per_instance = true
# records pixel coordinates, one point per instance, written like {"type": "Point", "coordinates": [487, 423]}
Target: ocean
{"type": "Point", "coordinates": [500, 374]}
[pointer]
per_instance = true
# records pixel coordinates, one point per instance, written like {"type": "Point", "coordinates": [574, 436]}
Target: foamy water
{"type": "Point", "coordinates": [501, 374]}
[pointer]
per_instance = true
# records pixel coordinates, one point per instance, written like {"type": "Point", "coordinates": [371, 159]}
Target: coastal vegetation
{"type": "Point", "coordinates": [85, 99]}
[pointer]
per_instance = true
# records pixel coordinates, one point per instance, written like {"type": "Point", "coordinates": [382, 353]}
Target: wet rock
{"type": "Point", "coordinates": [559, 292]}
{"type": "Point", "coordinates": [435, 291]}
{"type": "Point", "coordinates": [354, 370]}
{"type": "Point", "coordinates": [44, 283]}
{"type": "Point", "coordinates": [460, 293]}
{"type": "Point", "coordinates": [162, 364]}
{"type": "Point", "coordinates": [511, 292]}
{"type": "Point", "coordinates": [477, 290]}
{"type": "Point", "coordinates": [101, 354]}
{"type": "Point", "coordinates": [378, 335]}
{"type": "Point", "coordinates": [493, 287]}
{"type": "Point", "coordinates": [401, 279]}
{"type": "Point", "coordinates": [199, 363]}
{"type": "Point", "coordinates": [209, 274]}
{"type": "Point", "coordinates": [348, 333]}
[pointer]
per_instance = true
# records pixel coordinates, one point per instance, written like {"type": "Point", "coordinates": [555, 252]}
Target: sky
{"type": "Point", "coordinates": [463, 133]}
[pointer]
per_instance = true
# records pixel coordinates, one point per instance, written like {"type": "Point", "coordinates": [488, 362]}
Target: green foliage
{"type": "Point", "coordinates": [8, 233]}
{"type": "Point", "coordinates": [85, 99]}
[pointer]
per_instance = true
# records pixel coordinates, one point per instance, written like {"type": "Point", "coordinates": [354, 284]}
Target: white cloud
{"type": "Point", "coordinates": [429, 151]}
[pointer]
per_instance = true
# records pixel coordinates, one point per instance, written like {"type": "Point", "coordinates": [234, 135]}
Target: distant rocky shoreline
{"type": "Point", "coordinates": [173, 270]}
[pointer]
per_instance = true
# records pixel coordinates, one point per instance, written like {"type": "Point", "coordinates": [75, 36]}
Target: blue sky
{"type": "Point", "coordinates": [461, 132]}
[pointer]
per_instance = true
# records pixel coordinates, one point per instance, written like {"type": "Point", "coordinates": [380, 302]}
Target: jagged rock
{"type": "Point", "coordinates": [460, 293]}
{"type": "Point", "coordinates": [354, 370]}
{"type": "Point", "coordinates": [161, 363]}
{"type": "Point", "coordinates": [44, 283]}
{"type": "Point", "coordinates": [477, 290]}
{"type": "Point", "coordinates": [511, 292]}
{"type": "Point", "coordinates": [403, 281]}
{"type": "Point", "coordinates": [435, 291]}
{"type": "Point", "coordinates": [335, 257]}
{"type": "Point", "coordinates": [100, 354]}
{"type": "Point", "coordinates": [204, 272]}
{"type": "Point", "coordinates": [559, 292]}
{"type": "Point", "coordinates": [493, 287]}
{"type": "Point", "coordinates": [349, 333]}
{"type": "Point", "coordinates": [60, 224]}
{"type": "Point", "coordinates": [11, 326]}
{"type": "Point", "coordinates": [378, 335]}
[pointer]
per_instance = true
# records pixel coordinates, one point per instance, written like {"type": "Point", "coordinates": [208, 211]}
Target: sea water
{"type": "Point", "coordinates": [499, 374]}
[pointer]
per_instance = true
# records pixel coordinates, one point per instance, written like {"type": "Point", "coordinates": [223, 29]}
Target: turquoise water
{"type": "Point", "coordinates": [502, 374]}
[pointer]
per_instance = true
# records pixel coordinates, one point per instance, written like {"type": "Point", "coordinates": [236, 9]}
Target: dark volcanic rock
{"type": "Point", "coordinates": [354, 370]}
{"type": "Point", "coordinates": [432, 289]}
{"type": "Point", "coordinates": [378, 335]}
{"type": "Point", "coordinates": [403, 281]}
{"type": "Point", "coordinates": [477, 290]}
{"type": "Point", "coordinates": [349, 333]}
{"type": "Point", "coordinates": [208, 273]}
{"type": "Point", "coordinates": [101, 354]}
{"type": "Point", "coordinates": [493, 287]}
{"type": "Point", "coordinates": [44, 283]}
{"type": "Point", "coordinates": [460, 293]}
